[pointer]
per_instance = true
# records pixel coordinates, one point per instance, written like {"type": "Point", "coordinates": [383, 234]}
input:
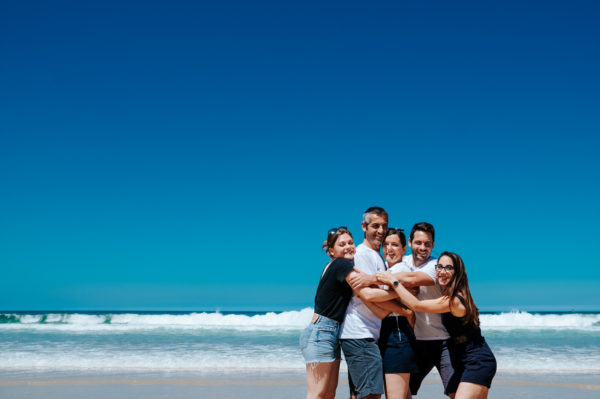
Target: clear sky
{"type": "Point", "coordinates": [193, 155]}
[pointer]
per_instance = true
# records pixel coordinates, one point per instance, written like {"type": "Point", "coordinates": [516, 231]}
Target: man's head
{"type": "Point", "coordinates": [421, 241]}
{"type": "Point", "coordinates": [374, 224]}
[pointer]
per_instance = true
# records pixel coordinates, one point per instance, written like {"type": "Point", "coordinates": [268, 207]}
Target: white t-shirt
{"type": "Point", "coordinates": [428, 326]}
{"type": "Point", "coordinates": [359, 321]}
{"type": "Point", "coordinates": [397, 268]}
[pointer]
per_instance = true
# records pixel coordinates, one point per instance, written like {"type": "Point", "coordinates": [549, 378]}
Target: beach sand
{"type": "Point", "coordinates": [259, 384]}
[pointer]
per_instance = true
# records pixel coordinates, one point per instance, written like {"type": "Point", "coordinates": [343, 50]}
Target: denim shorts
{"type": "Point", "coordinates": [319, 342]}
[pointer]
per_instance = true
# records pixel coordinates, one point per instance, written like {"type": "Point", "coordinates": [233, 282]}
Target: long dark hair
{"type": "Point", "coordinates": [460, 285]}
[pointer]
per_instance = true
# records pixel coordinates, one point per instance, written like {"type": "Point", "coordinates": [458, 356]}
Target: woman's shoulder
{"type": "Point", "coordinates": [457, 307]}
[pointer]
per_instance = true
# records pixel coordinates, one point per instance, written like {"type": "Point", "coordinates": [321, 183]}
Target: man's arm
{"type": "Point", "coordinates": [377, 310]}
{"type": "Point", "coordinates": [371, 294]}
{"type": "Point", "coordinates": [413, 279]}
{"type": "Point", "coordinates": [383, 309]}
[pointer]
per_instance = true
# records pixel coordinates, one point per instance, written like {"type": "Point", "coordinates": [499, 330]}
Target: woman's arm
{"type": "Point", "coordinates": [396, 307]}
{"type": "Point", "coordinates": [439, 305]}
{"type": "Point", "coordinates": [377, 310]}
{"type": "Point", "coordinates": [414, 279]}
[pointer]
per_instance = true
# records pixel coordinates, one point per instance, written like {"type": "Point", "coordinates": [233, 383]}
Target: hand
{"type": "Point", "coordinates": [412, 319]}
{"type": "Point", "coordinates": [359, 280]}
{"type": "Point", "coordinates": [385, 277]}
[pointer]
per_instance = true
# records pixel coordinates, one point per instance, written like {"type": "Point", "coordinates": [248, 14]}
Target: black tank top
{"type": "Point", "coordinates": [456, 327]}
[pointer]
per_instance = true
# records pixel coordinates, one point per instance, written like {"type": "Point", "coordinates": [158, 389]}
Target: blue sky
{"type": "Point", "coordinates": [171, 155]}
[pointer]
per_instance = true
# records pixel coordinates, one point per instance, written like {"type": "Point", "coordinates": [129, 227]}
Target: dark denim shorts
{"type": "Point", "coordinates": [396, 344]}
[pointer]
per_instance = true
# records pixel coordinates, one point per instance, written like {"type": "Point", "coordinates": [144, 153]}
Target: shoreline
{"type": "Point", "coordinates": [255, 383]}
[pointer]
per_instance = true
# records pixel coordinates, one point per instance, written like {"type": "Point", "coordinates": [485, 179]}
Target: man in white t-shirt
{"type": "Point", "coordinates": [360, 330]}
{"type": "Point", "coordinates": [431, 347]}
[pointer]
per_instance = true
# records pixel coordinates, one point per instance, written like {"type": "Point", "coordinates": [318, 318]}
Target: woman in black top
{"type": "Point", "coordinates": [319, 342]}
{"type": "Point", "coordinates": [472, 359]}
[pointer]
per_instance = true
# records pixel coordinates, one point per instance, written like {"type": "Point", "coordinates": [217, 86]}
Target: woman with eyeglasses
{"type": "Point", "coordinates": [473, 361]}
{"type": "Point", "coordinates": [319, 341]}
{"type": "Point", "coordinates": [397, 335]}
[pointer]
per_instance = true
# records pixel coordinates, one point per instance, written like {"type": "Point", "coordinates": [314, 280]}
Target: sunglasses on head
{"type": "Point", "coordinates": [335, 230]}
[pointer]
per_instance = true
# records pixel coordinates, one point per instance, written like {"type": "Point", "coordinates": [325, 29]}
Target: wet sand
{"type": "Point", "coordinates": [260, 384]}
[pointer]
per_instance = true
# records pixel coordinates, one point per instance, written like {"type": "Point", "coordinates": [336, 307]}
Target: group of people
{"type": "Point", "coordinates": [394, 318]}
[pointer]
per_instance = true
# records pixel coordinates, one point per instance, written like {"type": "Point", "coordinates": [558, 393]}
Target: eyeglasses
{"type": "Point", "coordinates": [447, 269]}
{"type": "Point", "coordinates": [335, 230]}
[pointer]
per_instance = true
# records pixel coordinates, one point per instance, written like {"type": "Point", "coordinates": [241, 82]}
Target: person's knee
{"type": "Point", "coordinates": [326, 395]}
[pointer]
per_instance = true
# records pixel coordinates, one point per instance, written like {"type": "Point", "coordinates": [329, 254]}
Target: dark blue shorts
{"type": "Point", "coordinates": [396, 345]}
{"type": "Point", "coordinates": [473, 362]}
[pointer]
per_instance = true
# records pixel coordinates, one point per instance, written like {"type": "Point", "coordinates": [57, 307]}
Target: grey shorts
{"type": "Point", "coordinates": [364, 366]}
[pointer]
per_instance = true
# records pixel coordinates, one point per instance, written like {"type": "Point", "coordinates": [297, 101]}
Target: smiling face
{"type": "Point", "coordinates": [444, 270]}
{"type": "Point", "coordinates": [421, 245]}
{"type": "Point", "coordinates": [375, 231]}
{"type": "Point", "coordinates": [343, 247]}
{"type": "Point", "coordinates": [393, 251]}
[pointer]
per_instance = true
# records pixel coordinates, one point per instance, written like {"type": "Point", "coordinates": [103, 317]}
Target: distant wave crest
{"type": "Point", "coordinates": [290, 320]}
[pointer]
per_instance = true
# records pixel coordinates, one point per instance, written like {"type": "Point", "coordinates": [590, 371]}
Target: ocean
{"type": "Point", "coordinates": [523, 342]}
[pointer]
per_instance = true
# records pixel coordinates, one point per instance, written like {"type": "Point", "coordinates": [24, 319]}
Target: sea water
{"type": "Point", "coordinates": [229, 341]}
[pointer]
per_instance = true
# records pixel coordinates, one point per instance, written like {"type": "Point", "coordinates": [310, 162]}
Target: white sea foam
{"type": "Point", "coordinates": [216, 341]}
{"type": "Point", "coordinates": [534, 360]}
{"type": "Point", "coordinates": [258, 357]}
{"type": "Point", "coordinates": [524, 320]}
{"type": "Point", "coordinates": [158, 360]}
